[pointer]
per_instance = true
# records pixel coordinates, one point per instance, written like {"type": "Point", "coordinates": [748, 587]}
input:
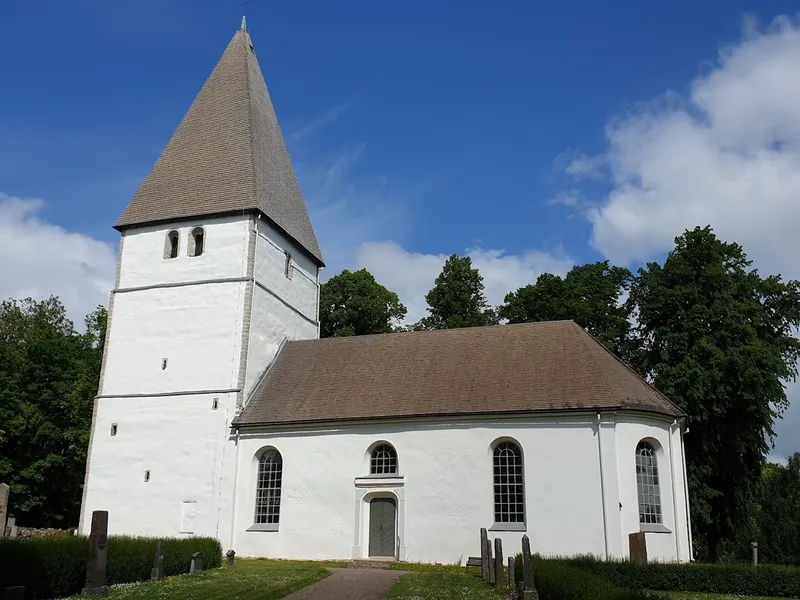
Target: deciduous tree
{"type": "Point", "coordinates": [353, 303]}
{"type": "Point", "coordinates": [589, 295]}
{"type": "Point", "coordinates": [717, 338]}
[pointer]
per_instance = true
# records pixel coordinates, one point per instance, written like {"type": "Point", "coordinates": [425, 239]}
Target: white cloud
{"type": "Point", "coordinates": [38, 259]}
{"type": "Point", "coordinates": [727, 155]}
{"type": "Point", "coordinates": [411, 275]}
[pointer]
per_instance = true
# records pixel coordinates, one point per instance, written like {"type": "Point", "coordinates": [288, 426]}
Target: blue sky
{"type": "Point", "coordinates": [531, 135]}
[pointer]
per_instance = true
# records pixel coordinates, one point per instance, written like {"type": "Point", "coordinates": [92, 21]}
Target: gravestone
{"type": "Point", "coordinates": [158, 562]}
{"type": "Point", "coordinates": [4, 493]}
{"type": "Point", "coordinates": [485, 558]}
{"type": "Point", "coordinates": [499, 565]}
{"type": "Point", "coordinates": [492, 571]}
{"type": "Point", "coordinates": [512, 579]}
{"type": "Point", "coordinates": [637, 545]}
{"type": "Point", "coordinates": [96, 565]}
{"type": "Point", "coordinates": [16, 592]}
{"type": "Point", "coordinates": [527, 563]}
{"type": "Point", "coordinates": [230, 555]}
{"type": "Point", "coordinates": [196, 566]}
{"type": "Point", "coordinates": [755, 553]}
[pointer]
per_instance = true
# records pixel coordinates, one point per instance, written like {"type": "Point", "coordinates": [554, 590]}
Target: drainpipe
{"type": "Point", "coordinates": [674, 496]}
{"type": "Point", "coordinates": [602, 484]}
{"type": "Point", "coordinates": [235, 487]}
{"type": "Point", "coordinates": [686, 495]}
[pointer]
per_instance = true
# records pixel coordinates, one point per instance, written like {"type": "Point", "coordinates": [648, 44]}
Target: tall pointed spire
{"type": "Point", "coordinates": [227, 156]}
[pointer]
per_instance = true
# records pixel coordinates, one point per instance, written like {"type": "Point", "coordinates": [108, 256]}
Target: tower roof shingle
{"type": "Point", "coordinates": [228, 155]}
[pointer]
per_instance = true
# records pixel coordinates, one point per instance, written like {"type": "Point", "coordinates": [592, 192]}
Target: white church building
{"type": "Point", "coordinates": [221, 413]}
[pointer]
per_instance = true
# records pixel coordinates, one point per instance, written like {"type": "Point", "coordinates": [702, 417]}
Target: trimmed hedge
{"type": "Point", "coordinates": [716, 578]}
{"type": "Point", "coordinates": [557, 580]}
{"type": "Point", "coordinates": [54, 567]}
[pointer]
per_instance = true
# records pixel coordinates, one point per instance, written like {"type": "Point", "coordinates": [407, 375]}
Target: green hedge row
{"type": "Point", "coordinates": [558, 580]}
{"type": "Point", "coordinates": [716, 578]}
{"type": "Point", "coordinates": [54, 567]}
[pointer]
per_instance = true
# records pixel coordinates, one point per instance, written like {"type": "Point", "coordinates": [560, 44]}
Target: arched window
{"type": "Point", "coordinates": [196, 241]}
{"type": "Point", "coordinates": [383, 460]}
{"type": "Point", "coordinates": [268, 491]}
{"type": "Point", "coordinates": [288, 268]}
{"type": "Point", "coordinates": [647, 484]}
{"type": "Point", "coordinates": [171, 244]}
{"type": "Point", "coordinates": [509, 490]}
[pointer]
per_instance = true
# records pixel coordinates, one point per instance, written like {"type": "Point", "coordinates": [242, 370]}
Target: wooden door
{"type": "Point", "coordinates": [382, 518]}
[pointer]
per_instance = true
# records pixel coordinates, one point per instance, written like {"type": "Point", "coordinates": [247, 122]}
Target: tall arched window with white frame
{"type": "Point", "coordinates": [509, 485]}
{"type": "Point", "coordinates": [647, 484]}
{"type": "Point", "coordinates": [268, 489]}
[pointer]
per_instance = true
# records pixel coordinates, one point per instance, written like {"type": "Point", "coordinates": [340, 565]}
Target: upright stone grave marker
{"type": "Point", "coordinates": [492, 571]}
{"type": "Point", "coordinates": [485, 558]}
{"type": "Point", "coordinates": [196, 566]}
{"type": "Point", "coordinates": [230, 554]}
{"type": "Point", "coordinates": [4, 493]}
{"type": "Point", "coordinates": [637, 545]}
{"type": "Point", "coordinates": [158, 562]}
{"type": "Point", "coordinates": [499, 565]}
{"type": "Point", "coordinates": [512, 576]}
{"type": "Point", "coordinates": [529, 591]}
{"type": "Point", "coordinates": [96, 565]}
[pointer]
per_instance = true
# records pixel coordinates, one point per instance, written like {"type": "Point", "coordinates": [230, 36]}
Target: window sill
{"type": "Point", "coordinates": [379, 481]}
{"type": "Point", "coordinates": [263, 527]}
{"type": "Point", "coordinates": [509, 527]}
{"type": "Point", "coordinates": [653, 528]}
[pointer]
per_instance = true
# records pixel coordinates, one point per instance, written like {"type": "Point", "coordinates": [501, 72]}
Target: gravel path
{"type": "Point", "coordinates": [350, 584]}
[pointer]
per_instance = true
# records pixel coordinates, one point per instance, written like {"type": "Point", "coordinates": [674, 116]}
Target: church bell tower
{"type": "Point", "coordinates": [218, 265]}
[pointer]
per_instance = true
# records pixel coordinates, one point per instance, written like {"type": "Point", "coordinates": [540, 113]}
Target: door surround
{"type": "Point", "coordinates": [366, 489]}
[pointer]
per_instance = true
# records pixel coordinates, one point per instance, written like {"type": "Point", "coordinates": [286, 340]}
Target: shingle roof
{"type": "Point", "coordinates": [533, 367]}
{"type": "Point", "coordinates": [227, 155]}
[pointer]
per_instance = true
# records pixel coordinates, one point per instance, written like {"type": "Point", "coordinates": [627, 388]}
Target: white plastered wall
{"type": "Point", "coordinates": [193, 311]}
{"type": "Point", "coordinates": [444, 489]}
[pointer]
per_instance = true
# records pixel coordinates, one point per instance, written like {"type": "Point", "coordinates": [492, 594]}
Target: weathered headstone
{"type": "Point", "coordinates": [96, 565]}
{"type": "Point", "coordinates": [512, 579]}
{"type": "Point", "coordinates": [16, 592]}
{"type": "Point", "coordinates": [230, 555]}
{"type": "Point", "coordinates": [492, 571]}
{"type": "Point", "coordinates": [4, 493]}
{"type": "Point", "coordinates": [755, 553]}
{"type": "Point", "coordinates": [527, 563]}
{"type": "Point", "coordinates": [158, 562]}
{"type": "Point", "coordinates": [637, 545]}
{"type": "Point", "coordinates": [196, 566]}
{"type": "Point", "coordinates": [499, 565]}
{"type": "Point", "coordinates": [485, 558]}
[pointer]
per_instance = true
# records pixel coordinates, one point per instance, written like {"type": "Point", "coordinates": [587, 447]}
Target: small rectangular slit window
{"type": "Point", "coordinates": [215, 404]}
{"type": "Point", "coordinates": [163, 364]}
{"type": "Point", "coordinates": [146, 476]}
{"type": "Point", "coordinates": [289, 268]}
{"type": "Point", "coordinates": [113, 429]}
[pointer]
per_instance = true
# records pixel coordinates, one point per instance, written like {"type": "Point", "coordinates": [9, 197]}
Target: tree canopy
{"type": "Point", "coordinates": [457, 298]}
{"type": "Point", "coordinates": [717, 338]}
{"type": "Point", "coordinates": [49, 375]}
{"type": "Point", "coordinates": [353, 303]}
{"type": "Point", "coordinates": [588, 294]}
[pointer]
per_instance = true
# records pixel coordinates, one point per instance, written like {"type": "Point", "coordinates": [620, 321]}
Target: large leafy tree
{"type": "Point", "coordinates": [589, 295]}
{"type": "Point", "coordinates": [457, 298]}
{"type": "Point", "coordinates": [778, 516]}
{"type": "Point", "coordinates": [717, 338]}
{"type": "Point", "coordinates": [48, 378]}
{"type": "Point", "coordinates": [353, 303]}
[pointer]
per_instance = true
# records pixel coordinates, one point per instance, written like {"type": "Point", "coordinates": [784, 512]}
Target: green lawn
{"type": "Point", "coordinates": [704, 596]}
{"type": "Point", "coordinates": [444, 584]}
{"type": "Point", "coordinates": [260, 579]}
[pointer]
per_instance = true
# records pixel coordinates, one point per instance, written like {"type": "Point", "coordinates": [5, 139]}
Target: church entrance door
{"type": "Point", "coordinates": [382, 513]}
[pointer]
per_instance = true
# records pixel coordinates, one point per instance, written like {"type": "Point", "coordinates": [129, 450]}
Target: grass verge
{"type": "Point", "coordinates": [705, 596]}
{"type": "Point", "coordinates": [443, 584]}
{"type": "Point", "coordinates": [258, 579]}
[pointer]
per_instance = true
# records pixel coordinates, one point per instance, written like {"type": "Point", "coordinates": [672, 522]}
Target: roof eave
{"type": "Point", "coordinates": [123, 226]}
{"type": "Point", "coordinates": [236, 424]}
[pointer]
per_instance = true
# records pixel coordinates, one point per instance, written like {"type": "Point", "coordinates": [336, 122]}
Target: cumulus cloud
{"type": "Point", "coordinates": [727, 154]}
{"type": "Point", "coordinates": [39, 259]}
{"type": "Point", "coordinates": [411, 274]}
